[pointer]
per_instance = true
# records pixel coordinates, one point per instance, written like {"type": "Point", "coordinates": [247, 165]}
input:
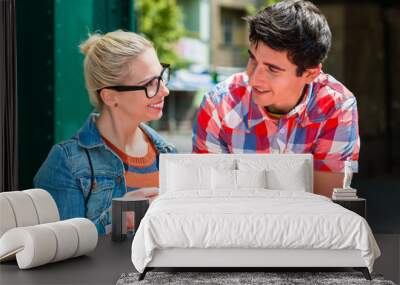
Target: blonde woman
{"type": "Point", "coordinates": [114, 152]}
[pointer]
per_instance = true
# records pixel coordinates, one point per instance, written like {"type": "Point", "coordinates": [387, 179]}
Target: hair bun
{"type": "Point", "coordinates": [89, 43]}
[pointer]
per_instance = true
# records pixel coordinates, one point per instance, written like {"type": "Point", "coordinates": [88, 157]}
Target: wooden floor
{"type": "Point", "coordinates": [389, 262]}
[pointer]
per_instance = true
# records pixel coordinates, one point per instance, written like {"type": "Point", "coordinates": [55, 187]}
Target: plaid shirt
{"type": "Point", "coordinates": [324, 123]}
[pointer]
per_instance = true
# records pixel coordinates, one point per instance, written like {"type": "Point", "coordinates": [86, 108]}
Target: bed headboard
{"type": "Point", "coordinates": [294, 168]}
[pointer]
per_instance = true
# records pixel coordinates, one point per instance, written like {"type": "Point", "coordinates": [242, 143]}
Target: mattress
{"type": "Point", "coordinates": [250, 219]}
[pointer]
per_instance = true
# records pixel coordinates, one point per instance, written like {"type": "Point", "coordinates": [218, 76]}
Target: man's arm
{"type": "Point", "coordinates": [207, 129]}
{"type": "Point", "coordinates": [324, 182]}
{"type": "Point", "coordinates": [337, 142]}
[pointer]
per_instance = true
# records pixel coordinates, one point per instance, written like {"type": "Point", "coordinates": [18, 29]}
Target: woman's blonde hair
{"type": "Point", "coordinates": [106, 59]}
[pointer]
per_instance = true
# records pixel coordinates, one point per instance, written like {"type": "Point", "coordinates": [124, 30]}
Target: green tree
{"type": "Point", "coordinates": [161, 22]}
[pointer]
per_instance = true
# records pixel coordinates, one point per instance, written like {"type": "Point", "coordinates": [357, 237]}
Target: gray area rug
{"type": "Point", "coordinates": [229, 278]}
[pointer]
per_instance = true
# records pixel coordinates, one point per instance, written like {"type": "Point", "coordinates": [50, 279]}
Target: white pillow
{"type": "Point", "coordinates": [223, 179]}
{"type": "Point", "coordinates": [251, 178]}
{"type": "Point", "coordinates": [294, 180]}
{"type": "Point", "coordinates": [182, 177]}
{"type": "Point", "coordinates": [282, 174]}
{"type": "Point", "coordinates": [226, 179]}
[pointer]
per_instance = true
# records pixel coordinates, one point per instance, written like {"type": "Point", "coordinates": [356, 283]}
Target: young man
{"type": "Point", "coordinates": [284, 103]}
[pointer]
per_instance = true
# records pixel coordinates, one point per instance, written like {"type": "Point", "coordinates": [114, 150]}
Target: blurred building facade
{"type": "Point", "coordinates": [218, 25]}
{"type": "Point", "coordinates": [229, 32]}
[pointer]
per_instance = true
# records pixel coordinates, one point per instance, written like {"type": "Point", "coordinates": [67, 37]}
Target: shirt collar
{"type": "Point", "coordinates": [258, 114]}
{"type": "Point", "coordinates": [89, 136]}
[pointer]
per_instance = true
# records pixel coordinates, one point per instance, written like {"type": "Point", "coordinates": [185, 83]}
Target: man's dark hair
{"type": "Point", "coordinates": [295, 26]}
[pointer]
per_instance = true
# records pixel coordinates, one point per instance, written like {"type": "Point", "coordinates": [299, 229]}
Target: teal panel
{"type": "Point", "coordinates": [110, 15]}
{"type": "Point", "coordinates": [74, 19]}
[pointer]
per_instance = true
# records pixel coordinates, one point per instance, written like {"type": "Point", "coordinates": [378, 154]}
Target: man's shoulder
{"type": "Point", "coordinates": [326, 86]}
{"type": "Point", "coordinates": [329, 97]}
{"type": "Point", "coordinates": [231, 89]}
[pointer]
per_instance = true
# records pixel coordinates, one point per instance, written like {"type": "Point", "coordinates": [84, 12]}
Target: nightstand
{"type": "Point", "coordinates": [357, 205]}
{"type": "Point", "coordinates": [119, 208]}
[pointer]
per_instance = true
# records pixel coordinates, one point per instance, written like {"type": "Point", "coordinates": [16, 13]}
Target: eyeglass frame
{"type": "Point", "coordinates": [124, 88]}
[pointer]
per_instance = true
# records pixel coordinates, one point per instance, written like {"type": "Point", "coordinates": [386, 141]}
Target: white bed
{"type": "Point", "coordinates": [247, 210]}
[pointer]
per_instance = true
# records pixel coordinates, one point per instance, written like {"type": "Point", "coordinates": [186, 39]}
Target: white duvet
{"type": "Point", "coordinates": [252, 218]}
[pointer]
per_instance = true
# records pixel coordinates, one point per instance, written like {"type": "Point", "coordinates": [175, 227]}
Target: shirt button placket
{"type": "Point", "coordinates": [282, 137]}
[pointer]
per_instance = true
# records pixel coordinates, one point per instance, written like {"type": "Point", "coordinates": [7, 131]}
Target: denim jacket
{"type": "Point", "coordinates": [66, 174]}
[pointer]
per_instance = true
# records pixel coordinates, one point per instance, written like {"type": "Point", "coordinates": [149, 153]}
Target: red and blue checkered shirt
{"type": "Point", "coordinates": [324, 123]}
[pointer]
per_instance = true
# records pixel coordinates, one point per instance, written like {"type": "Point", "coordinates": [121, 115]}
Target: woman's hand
{"type": "Point", "coordinates": [147, 192]}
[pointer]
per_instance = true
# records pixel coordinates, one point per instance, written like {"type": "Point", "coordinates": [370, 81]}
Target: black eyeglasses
{"type": "Point", "coordinates": [150, 88]}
